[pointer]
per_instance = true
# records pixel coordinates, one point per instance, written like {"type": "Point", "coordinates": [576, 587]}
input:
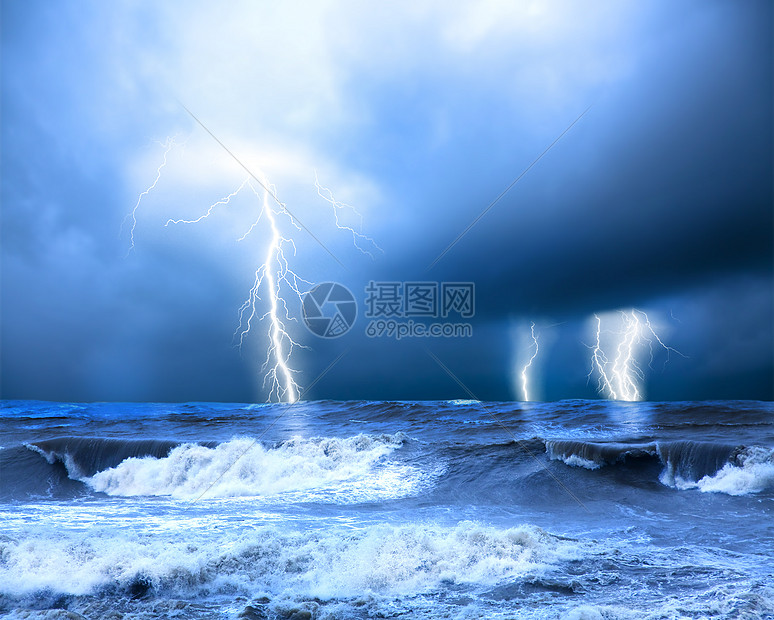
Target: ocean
{"type": "Point", "coordinates": [574, 509]}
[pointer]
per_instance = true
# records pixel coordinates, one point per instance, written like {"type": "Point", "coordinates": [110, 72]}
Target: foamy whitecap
{"type": "Point", "coordinates": [600, 612]}
{"type": "Point", "coordinates": [577, 461]}
{"type": "Point", "coordinates": [349, 469]}
{"type": "Point", "coordinates": [383, 559]}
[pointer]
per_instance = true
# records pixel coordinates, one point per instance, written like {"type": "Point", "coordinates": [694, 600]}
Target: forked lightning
{"type": "Point", "coordinates": [621, 378]}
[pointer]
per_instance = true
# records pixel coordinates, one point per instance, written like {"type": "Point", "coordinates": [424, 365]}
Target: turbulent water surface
{"type": "Point", "coordinates": [576, 509]}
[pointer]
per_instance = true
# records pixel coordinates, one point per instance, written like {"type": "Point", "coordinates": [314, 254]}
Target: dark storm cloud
{"type": "Point", "coordinates": [666, 181]}
{"type": "Point", "coordinates": [665, 186]}
{"type": "Point", "coordinates": [659, 197]}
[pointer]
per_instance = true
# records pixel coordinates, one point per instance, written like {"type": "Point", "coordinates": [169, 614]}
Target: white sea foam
{"type": "Point", "coordinates": [576, 461]}
{"type": "Point", "coordinates": [353, 469]}
{"type": "Point", "coordinates": [270, 560]}
{"type": "Point", "coordinates": [50, 458]}
{"type": "Point", "coordinates": [600, 612]}
{"type": "Point", "coordinates": [753, 473]}
{"type": "Point", "coordinates": [750, 600]}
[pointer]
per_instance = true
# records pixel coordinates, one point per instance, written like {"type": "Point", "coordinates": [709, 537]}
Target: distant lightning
{"type": "Point", "coordinates": [529, 363]}
{"type": "Point", "coordinates": [626, 372]}
{"type": "Point", "coordinates": [599, 362]}
{"type": "Point", "coordinates": [357, 235]}
{"type": "Point", "coordinates": [167, 145]}
{"type": "Point", "coordinates": [622, 377]}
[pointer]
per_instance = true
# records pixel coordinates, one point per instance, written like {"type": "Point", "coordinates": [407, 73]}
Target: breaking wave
{"type": "Point", "coordinates": [361, 468]}
{"type": "Point", "coordinates": [752, 471]}
{"type": "Point", "coordinates": [352, 469]}
{"type": "Point", "coordinates": [709, 467]}
{"type": "Point", "coordinates": [243, 467]}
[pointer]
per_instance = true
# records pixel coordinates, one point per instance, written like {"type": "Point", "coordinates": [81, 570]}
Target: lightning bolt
{"type": "Point", "coordinates": [622, 378]}
{"type": "Point", "coordinates": [167, 146]}
{"type": "Point", "coordinates": [357, 235]}
{"type": "Point", "coordinates": [270, 277]}
{"type": "Point", "coordinates": [599, 362]}
{"type": "Point", "coordinates": [279, 376]}
{"type": "Point", "coordinates": [626, 372]}
{"type": "Point", "coordinates": [528, 364]}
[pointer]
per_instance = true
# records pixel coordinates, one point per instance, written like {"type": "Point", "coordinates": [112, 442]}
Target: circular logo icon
{"type": "Point", "coordinates": [329, 310]}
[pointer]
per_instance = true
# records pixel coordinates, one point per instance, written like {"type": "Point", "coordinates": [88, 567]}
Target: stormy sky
{"type": "Point", "coordinates": [419, 114]}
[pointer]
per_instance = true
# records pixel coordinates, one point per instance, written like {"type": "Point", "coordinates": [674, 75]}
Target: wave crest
{"type": "Point", "coordinates": [245, 468]}
{"type": "Point", "coordinates": [751, 472]}
{"type": "Point", "coordinates": [709, 467]}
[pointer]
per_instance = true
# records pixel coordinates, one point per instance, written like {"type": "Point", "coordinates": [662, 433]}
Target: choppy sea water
{"type": "Point", "coordinates": [575, 509]}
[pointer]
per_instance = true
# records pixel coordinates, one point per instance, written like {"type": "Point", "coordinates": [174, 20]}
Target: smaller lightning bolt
{"type": "Point", "coordinates": [167, 145]}
{"type": "Point", "coordinates": [258, 219]}
{"type": "Point", "coordinates": [599, 363]}
{"type": "Point", "coordinates": [223, 201]}
{"type": "Point", "coordinates": [622, 378]}
{"type": "Point", "coordinates": [661, 344]}
{"type": "Point", "coordinates": [529, 363]}
{"type": "Point", "coordinates": [357, 235]}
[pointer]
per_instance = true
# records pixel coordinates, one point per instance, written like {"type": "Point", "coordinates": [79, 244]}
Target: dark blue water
{"type": "Point", "coordinates": [576, 509]}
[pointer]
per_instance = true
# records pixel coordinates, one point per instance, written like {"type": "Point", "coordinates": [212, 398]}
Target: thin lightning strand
{"type": "Point", "coordinates": [222, 201]}
{"type": "Point", "coordinates": [655, 335]}
{"type": "Point", "coordinates": [167, 145]}
{"type": "Point", "coordinates": [252, 226]}
{"type": "Point", "coordinates": [327, 195]}
{"type": "Point", "coordinates": [529, 363]}
{"type": "Point", "coordinates": [622, 378]}
{"type": "Point", "coordinates": [599, 363]}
